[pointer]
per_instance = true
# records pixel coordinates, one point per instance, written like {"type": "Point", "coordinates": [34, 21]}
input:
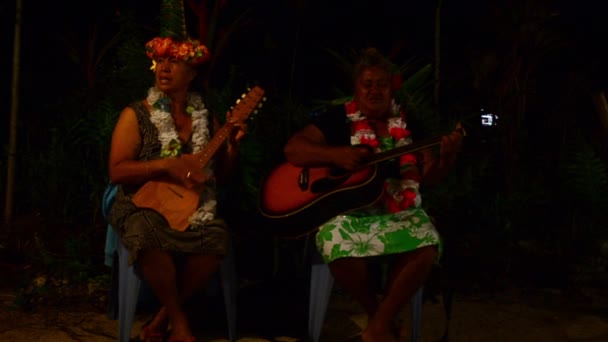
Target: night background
{"type": "Point", "coordinates": [524, 206]}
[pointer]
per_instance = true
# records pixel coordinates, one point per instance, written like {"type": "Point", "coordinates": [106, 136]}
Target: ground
{"type": "Point", "coordinates": [66, 304]}
{"type": "Point", "coordinates": [266, 314]}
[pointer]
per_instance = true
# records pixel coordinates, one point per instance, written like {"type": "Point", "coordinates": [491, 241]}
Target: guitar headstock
{"type": "Point", "coordinates": [249, 103]}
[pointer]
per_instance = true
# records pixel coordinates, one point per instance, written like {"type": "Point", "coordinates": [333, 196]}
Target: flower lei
{"type": "Point", "coordinates": [399, 194]}
{"type": "Point", "coordinates": [190, 51]}
{"type": "Point", "coordinates": [364, 134]}
{"type": "Point", "coordinates": [171, 146]}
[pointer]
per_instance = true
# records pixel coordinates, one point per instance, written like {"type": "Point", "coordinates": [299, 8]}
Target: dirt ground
{"type": "Point", "coordinates": [511, 315]}
{"type": "Point", "coordinates": [274, 308]}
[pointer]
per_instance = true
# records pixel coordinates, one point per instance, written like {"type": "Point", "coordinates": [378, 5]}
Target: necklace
{"type": "Point", "coordinates": [399, 194]}
{"type": "Point", "coordinates": [167, 134]}
{"type": "Point", "coordinates": [172, 147]}
{"type": "Point", "coordinates": [364, 134]}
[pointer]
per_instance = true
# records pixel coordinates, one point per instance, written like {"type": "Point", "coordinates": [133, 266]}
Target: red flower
{"type": "Point", "coordinates": [408, 198]}
{"type": "Point", "coordinates": [361, 125]}
{"type": "Point", "coordinates": [409, 158]}
{"type": "Point", "coordinates": [190, 51]}
{"type": "Point", "coordinates": [351, 107]}
{"type": "Point", "coordinates": [410, 174]}
{"type": "Point", "coordinates": [371, 142]}
{"type": "Point", "coordinates": [399, 133]}
{"type": "Point", "coordinates": [392, 206]}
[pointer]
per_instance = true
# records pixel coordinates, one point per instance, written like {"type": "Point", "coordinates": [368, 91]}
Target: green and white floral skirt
{"type": "Point", "coordinates": [366, 233]}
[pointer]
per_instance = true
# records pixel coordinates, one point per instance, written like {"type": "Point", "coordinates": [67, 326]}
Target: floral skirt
{"type": "Point", "coordinates": [364, 234]}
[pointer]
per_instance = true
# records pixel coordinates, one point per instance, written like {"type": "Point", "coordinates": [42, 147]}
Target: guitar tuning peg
{"type": "Point", "coordinates": [238, 101]}
{"type": "Point", "coordinates": [248, 89]}
{"type": "Point", "coordinates": [255, 111]}
{"type": "Point", "coordinates": [243, 96]}
{"type": "Point", "coordinates": [260, 105]}
{"type": "Point", "coordinates": [264, 98]}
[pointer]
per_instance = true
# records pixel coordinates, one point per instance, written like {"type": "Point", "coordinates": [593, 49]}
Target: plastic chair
{"type": "Point", "coordinates": [321, 285]}
{"type": "Point", "coordinates": [129, 283]}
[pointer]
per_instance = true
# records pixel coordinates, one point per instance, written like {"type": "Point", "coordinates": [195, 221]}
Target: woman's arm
{"type": "Point", "coordinates": [227, 158]}
{"type": "Point", "coordinates": [308, 147]}
{"type": "Point", "coordinates": [435, 168]}
{"type": "Point", "coordinates": [126, 168]}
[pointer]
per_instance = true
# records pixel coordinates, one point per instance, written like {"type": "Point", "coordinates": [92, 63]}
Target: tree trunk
{"type": "Point", "coordinates": [601, 107]}
{"type": "Point", "coordinates": [437, 88]}
{"type": "Point", "coordinates": [12, 146]}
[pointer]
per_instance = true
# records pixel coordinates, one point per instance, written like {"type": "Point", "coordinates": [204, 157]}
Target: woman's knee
{"type": "Point", "coordinates": [428, 254]}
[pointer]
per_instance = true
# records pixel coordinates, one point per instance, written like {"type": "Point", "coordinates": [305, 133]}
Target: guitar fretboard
{"type": "Point", "coordinates": [243, 108]}
{"type": "Point", "coordinates": [414, 147]}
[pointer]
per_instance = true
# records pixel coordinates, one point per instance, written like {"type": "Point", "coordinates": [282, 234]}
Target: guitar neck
{"type": "Point", "coordinates": [244, 107]}
{"type": "Point", "coordinates": [414, 147]}
{"type": "Point", "coordinates": [215, 143]}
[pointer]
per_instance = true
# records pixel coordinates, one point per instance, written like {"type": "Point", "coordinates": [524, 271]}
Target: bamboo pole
{"type": "Point", "coordinates": [12, 146]}
{"type": "Point", "coordinates": [437, 85]}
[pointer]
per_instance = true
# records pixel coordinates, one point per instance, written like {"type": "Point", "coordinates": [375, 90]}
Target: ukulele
{"type": "Point", "coordinates": [175, 202]}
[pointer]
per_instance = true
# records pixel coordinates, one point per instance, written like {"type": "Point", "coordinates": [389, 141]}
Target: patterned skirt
{"type": "Point", "coordinates": [148, 230]}
{"type": "Point", "coordinates": [364, 234]}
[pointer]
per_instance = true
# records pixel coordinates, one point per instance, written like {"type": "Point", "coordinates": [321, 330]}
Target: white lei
{"type": "Point", "coordinates": [167, 135]}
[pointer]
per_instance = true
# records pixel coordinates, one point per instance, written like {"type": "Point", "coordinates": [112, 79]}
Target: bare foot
{"type": "Point", "coordinates": [156, 328]}
{"type": "Point", "coordinates": [180, 328]}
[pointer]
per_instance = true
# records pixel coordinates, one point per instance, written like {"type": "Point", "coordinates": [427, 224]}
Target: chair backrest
{"type": "Point", "coordinates": [111, 238]}
{"type": "Point", "coordinates": [108, 199]}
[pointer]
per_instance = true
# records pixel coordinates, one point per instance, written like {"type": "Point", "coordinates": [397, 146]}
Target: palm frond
{"type": "Point", "coordinates": [584, 177]}
{"type": "Point", "coordinates": [172, 19]}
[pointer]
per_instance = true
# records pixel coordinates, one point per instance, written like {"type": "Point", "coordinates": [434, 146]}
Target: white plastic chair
{"type": "Point", "coordinates": [129, 283]}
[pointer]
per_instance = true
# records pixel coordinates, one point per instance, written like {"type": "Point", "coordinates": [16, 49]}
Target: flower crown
{"type": "Point", "coordinates": [190, 51]}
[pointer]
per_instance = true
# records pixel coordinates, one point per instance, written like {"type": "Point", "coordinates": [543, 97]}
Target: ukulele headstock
{"type": "Point", "coordinates": [249, 103]}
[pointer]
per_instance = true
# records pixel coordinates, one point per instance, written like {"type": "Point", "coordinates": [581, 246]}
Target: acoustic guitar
{"type": "Point", "coordinates": [176, 202]}
{"type": "Point", "coordinates": [302, 198]}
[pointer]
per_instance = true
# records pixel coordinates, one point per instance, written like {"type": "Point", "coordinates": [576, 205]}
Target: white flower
{"type": "Point", "coordinates": [200, 138]}
{"type": "Point", "coordinates": [356, 116]}
{"type": "Point", "coordinates": [363, 244]}
{"type": "Point", "coordinates": [396, 108]}
{"type": "Point", "coordinates": [396, 122]}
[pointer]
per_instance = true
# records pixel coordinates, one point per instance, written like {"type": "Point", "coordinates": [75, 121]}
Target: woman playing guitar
{"type": "Point", "coordinates": [347, 137]}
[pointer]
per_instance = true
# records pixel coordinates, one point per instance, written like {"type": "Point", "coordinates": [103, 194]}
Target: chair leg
{"type": "Point", "coordinates": [321, 284]}
{"type": "Point", "coordinates": [416, 314]}
{"type": "Point", "coordinates": [229, 287]}
{"type": "Point", "coordinates": [128, 293]}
